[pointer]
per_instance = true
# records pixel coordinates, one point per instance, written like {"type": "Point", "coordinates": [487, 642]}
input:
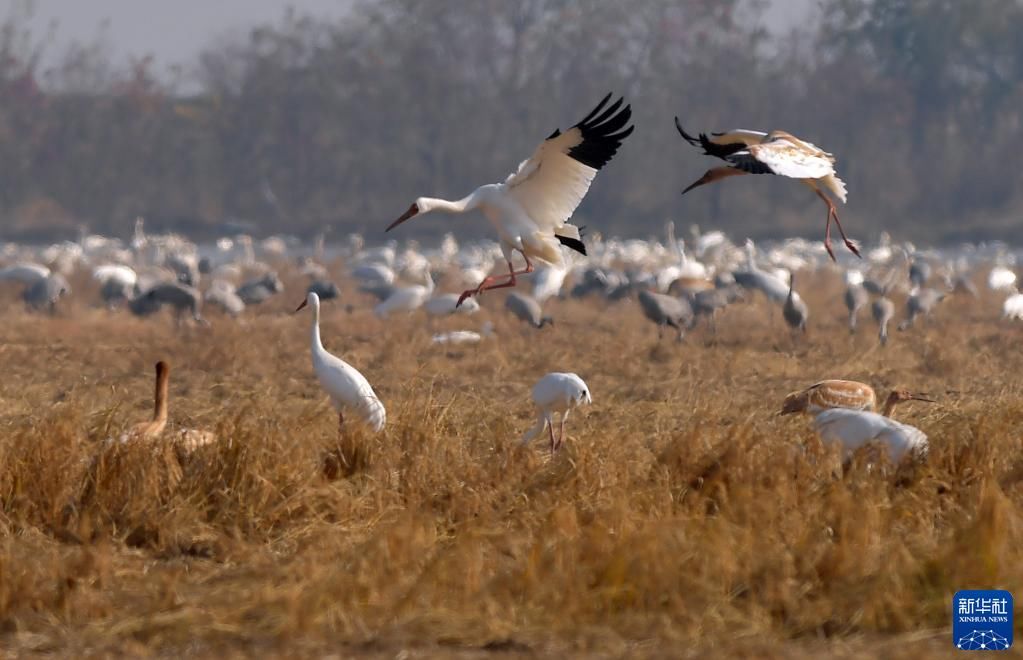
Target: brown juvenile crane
{"type": "Point", "coordinates": [849, 394]}
{"type": "Point", "coordinates": [777, 152]}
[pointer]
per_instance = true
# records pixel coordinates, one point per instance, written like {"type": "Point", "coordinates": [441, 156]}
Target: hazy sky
{"type": "Point", "coordinates": [174, 31]}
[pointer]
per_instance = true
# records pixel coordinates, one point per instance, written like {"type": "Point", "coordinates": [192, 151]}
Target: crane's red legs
{"type": "Point", "coordinates": [833, 213]}
{"type": "Point", "coordinates": [487, 283]}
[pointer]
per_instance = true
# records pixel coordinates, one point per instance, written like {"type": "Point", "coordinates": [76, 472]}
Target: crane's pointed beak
{"type": "Point", "coordinates": [922, 396]}
{"type": "Point", "coordinates": [299, 308]}
{"type": "Point", "coordinates": [412, 210]}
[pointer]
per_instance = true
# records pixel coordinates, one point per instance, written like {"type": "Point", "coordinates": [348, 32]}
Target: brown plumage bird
{"type": "Point", "coordinates": [777, 152]}
{"type": "Point", "coordinates": [844, 394]}
{"type": "Point", "coordinates": [153, 428]}
{"type": "Point", "coordinates": [184, 440]}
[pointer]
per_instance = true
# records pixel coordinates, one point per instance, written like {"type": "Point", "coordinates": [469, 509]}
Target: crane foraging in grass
{"type": "Point", "coordinates": [853, 429]}
{"type": "Point", "coordinates": [849, 394]}
{"type": "Point", "coordinates": [777, 152]}
{"type": "Point", "coordinates": [556, 392]}
{"type": "Point", "coordinates": [844, 412]}
{"type": "Point", "coordinates": [346, 387]}
{"type": "Point", "coordinates": [531, 208]}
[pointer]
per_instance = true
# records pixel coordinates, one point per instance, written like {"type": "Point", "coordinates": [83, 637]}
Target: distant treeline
{"type": "Point", "coordinates": [305, 126]}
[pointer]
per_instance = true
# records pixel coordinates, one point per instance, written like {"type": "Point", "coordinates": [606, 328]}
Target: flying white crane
{"type": "Point", "coordinates": [777, 152]}
{"type": "Point", "coordinates": [346, 387]}
{"type": "Point", "coordinates": [531, 208]}
{"type": "Point", "coordinates": [556, 392]}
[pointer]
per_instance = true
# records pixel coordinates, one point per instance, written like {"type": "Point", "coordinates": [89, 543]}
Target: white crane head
{"type": "Point", "coordinates": [421, 205]}
{"type": "Point", "coordinates": [312, 300]}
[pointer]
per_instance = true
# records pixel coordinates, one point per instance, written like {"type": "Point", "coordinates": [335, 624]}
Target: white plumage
{"type": "Point", "coordinates": [447, 303]}
{"type": "Point", "coordinates": [26, 273]}
{"type": "Point", "coordinates": [548, 281]}
{"type": "Point", "coordinates": [556, 393]}
{"type": "Point", "coordinates": [406, 298]}
{"type": "Point", "coordinates": [464, 336]}
{"type": "Point", "coordinates": [347, 388]}
{"type": "Point", "coordinates": [118, 273]}
{"type": "Point", "coordinates": [1012, 308]}
{"type": "Point", "coordinates": [531, 208]}
{"type": "Point", "coordinates": [853, 429]}
{"type": "Point", "coordinates": [1001, 279]}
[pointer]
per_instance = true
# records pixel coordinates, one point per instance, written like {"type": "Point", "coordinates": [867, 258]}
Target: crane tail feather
{"type": "Point", "coordinates": [572, 243]}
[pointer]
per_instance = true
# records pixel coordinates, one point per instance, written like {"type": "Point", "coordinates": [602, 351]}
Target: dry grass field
{"type": "Point", "coordinates": [683, 518]}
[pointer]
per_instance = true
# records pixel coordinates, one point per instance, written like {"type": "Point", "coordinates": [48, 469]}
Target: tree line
{"type": "Point", "coordinates": [305, 126]}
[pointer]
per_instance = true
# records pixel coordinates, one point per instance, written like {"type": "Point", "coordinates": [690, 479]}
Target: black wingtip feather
{"type": "Point", "coordinates": [686, 136]}
{"type": "Point", "coordinates": [602, 133]}
{"type": "Point", "coordinates": [573, 243]}
{"type": "Point", "coordinates": [593, 113]}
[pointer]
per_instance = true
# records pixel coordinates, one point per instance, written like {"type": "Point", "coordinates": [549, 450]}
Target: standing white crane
{"type": "Point", "coordinates": [777, 152]}
{"type": "Point", "coordinates": [406, 298]}
{"type": "Point", "coordinates": [686, 269]}
{"type": "Point", "coordinates": [531, 208]}
{"type": "Point", "coordinates": [556, 392]}
{"type": "Point", "coordinates": [346, 387]}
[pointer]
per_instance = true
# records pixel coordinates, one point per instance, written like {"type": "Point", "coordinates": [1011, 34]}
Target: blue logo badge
{"type": "Point", "coordinates": [982, 620]}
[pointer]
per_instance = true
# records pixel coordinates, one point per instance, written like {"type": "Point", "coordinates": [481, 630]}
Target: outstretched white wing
{"type": "Point", "coordinates": [787, 159]}
{"type": "Point", "coordinates": [550, 185]}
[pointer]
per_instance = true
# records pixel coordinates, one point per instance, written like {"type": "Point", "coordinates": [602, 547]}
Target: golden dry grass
{"type": "Point", "coordinates": [680, 519]}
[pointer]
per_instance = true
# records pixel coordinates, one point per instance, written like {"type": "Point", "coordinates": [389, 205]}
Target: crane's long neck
{"type": "Point", "coordinates": [317, 344]}
{"type": "Point", "coordinates": [468, 203]}
{"type": "Point", "coordinates": [160, 407]}
{"type": "Point", "coordinates": [889, 406]}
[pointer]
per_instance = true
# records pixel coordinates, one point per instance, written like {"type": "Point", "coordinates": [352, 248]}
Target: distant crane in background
{"type": "Point", "coordinates": [777, 152]}
{"type": "Point", "coordinates": [531, 208]}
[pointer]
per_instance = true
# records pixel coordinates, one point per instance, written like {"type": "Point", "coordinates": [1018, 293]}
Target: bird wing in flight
{"type": "Point", "coordinates": [722, 145]}
{"type": "Point", "coordinates": [550, 185]}
{"type": "Point", "coordinates": [787, 159]}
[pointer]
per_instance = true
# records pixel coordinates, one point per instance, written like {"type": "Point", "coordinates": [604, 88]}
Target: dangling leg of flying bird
{"type": "Point", "coordinates": [777, 152]}
{"type": "Point", "coordinates": [531, 208]}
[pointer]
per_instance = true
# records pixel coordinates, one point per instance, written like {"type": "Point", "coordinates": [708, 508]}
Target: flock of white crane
{"type": "Point", "coordinates": [676, 283]}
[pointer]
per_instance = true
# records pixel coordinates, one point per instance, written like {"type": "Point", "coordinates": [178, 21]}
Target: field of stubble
{"type": "Point", "coordinates": [680, 519]}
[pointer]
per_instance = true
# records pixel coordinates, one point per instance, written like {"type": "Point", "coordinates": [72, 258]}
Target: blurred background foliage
{"type": "Point", "coordinates": [305, 125]}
